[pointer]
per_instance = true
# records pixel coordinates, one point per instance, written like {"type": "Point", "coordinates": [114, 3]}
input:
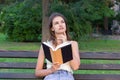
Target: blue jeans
{"type": "Point", "coordinates": [60, 75]}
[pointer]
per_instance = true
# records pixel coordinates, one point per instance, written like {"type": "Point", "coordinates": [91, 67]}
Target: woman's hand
{"type": "Point", "coordinates": [55, 67]}
{"type": "Point", "coordinates": [61, 38]}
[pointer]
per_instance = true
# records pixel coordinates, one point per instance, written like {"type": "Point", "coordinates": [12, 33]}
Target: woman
{"type": "Point", "coordinates": [58, 35]}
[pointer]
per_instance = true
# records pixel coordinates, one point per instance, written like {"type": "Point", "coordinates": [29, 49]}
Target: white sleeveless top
{"type": "Point", "coordinates": [65, 66]}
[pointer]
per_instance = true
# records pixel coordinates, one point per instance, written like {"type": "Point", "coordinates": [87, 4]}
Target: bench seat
{"type": "Point", "coordinates": [83, 55]}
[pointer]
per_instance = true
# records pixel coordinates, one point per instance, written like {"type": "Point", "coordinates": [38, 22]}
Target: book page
{"type": "Point", "coordinates": [56, 56]}
{"type": "Point", "coordinates": [57, 47]}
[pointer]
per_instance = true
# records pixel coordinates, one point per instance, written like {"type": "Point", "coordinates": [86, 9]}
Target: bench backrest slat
{"type": "Point", "coordinates": [97, 77]}
{"type": "Point", "coordinates": [83, 55]}
{"type": "Point", "coordinates": [77, 76]}
{"type": "Point", "coordinates": [19, 65]}
{"type": "Point", "coordinates": [27, 65]}
{"type": "Point", "coordinates": [19, 54]}
{"type": "Point", "coordinates": [100, 55]}
{"type": "Point", "coordinates": [17, 76]}
{"type": "Point", "coordinates": [100, 67]}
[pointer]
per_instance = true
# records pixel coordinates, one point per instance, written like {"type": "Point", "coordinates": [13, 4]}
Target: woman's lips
{"type": "Point", "coordinates": [61, 28]}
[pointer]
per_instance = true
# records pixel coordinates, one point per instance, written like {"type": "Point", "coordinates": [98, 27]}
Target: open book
{"type": "Point", "coordinates": [61, 54]}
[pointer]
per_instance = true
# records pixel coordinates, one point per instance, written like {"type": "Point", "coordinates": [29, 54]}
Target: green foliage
{"type": "Point", "coordinates": [87, 10]}
{"type": "Point", "coordinates": [23, 21]}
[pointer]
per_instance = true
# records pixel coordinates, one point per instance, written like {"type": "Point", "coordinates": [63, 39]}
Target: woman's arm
{"type": "Point", "coordinates": [39, 71]}
{"type": "Point", "coordinates": [75, 63]}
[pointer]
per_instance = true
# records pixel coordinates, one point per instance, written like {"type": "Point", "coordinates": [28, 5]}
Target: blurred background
{"type": "Point", "coordinates": [95, 24]}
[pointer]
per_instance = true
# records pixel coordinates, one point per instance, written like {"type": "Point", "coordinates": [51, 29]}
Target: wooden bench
{"type": "Point", "coordinates": [31, 65]}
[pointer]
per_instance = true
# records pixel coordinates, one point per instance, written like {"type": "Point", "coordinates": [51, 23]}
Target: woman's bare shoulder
{"type": "Point", "coordinates": [74, 42]}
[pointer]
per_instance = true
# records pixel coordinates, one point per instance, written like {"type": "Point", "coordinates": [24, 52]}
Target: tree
{"type": "Point", "coordinates": [2, 1]}
{"type": "Point", "coordinates": [45, 33]}
{"type": "Point", "coordinates": [107, 3]}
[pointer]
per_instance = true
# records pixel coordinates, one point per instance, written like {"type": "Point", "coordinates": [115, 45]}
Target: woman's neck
{"type": "Point", "coordinates": [58, 35]}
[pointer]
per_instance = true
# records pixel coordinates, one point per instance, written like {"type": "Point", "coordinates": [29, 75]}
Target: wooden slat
{"type": "Point", "coordinates": [100, 67]}
{"type": "Point", "coordinates": [19, 54]}
{"type": "Point", "coordinates": [97, 76]}
{"type": "Point", "coordinates": [17, 76]}
{"type": "Point", "coordinates": [19, 65]}
{"type": "Point", "coordinates": [27, 65]}
{"type": "Point", "coordinates": [100, 55]}
{"type": "Point", "coordinates": [77, 76]}
{"type": "Point", "coordinates": [83, 55]}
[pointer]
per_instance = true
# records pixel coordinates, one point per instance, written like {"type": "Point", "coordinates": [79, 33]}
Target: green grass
{"type": "Point", "coordinates": [17, 60]}
{"type": "Point", "coordinates": [97, 72]}
{"type": "Point", "coordinates": [16, 46]}
{"type": "Point", "coordinates": [94, 45]}
{"type": "Point", "coordinates": [100, 46]}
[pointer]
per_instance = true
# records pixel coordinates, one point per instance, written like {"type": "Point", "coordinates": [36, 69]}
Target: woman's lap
{"type": "Point", "coordinates": [60, 75]}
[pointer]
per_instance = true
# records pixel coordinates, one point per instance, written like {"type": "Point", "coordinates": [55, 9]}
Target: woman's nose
{"type": "Point", "coordinates": [60, 24]}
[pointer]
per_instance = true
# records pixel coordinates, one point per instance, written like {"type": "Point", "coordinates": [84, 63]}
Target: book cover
{"type": "Point", "coordinates": [62, 53]}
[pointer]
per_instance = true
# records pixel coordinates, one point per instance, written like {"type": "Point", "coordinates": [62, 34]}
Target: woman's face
{"type": "Point", "coordinates": [58, 25]}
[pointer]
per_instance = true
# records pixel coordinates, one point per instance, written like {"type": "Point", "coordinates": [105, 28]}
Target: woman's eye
{"type": "Point", "coordinates": [63, 21]}
{"type": "Point", "coordinates": [55, 23]}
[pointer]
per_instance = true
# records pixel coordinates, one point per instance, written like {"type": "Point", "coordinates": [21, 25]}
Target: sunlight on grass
{"type": "Point", "coordinates": [7, 45]}
{"type": "Point", "coordinates": [19, 46]}
{"type": "Point", "coordinates": [100, 46]}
